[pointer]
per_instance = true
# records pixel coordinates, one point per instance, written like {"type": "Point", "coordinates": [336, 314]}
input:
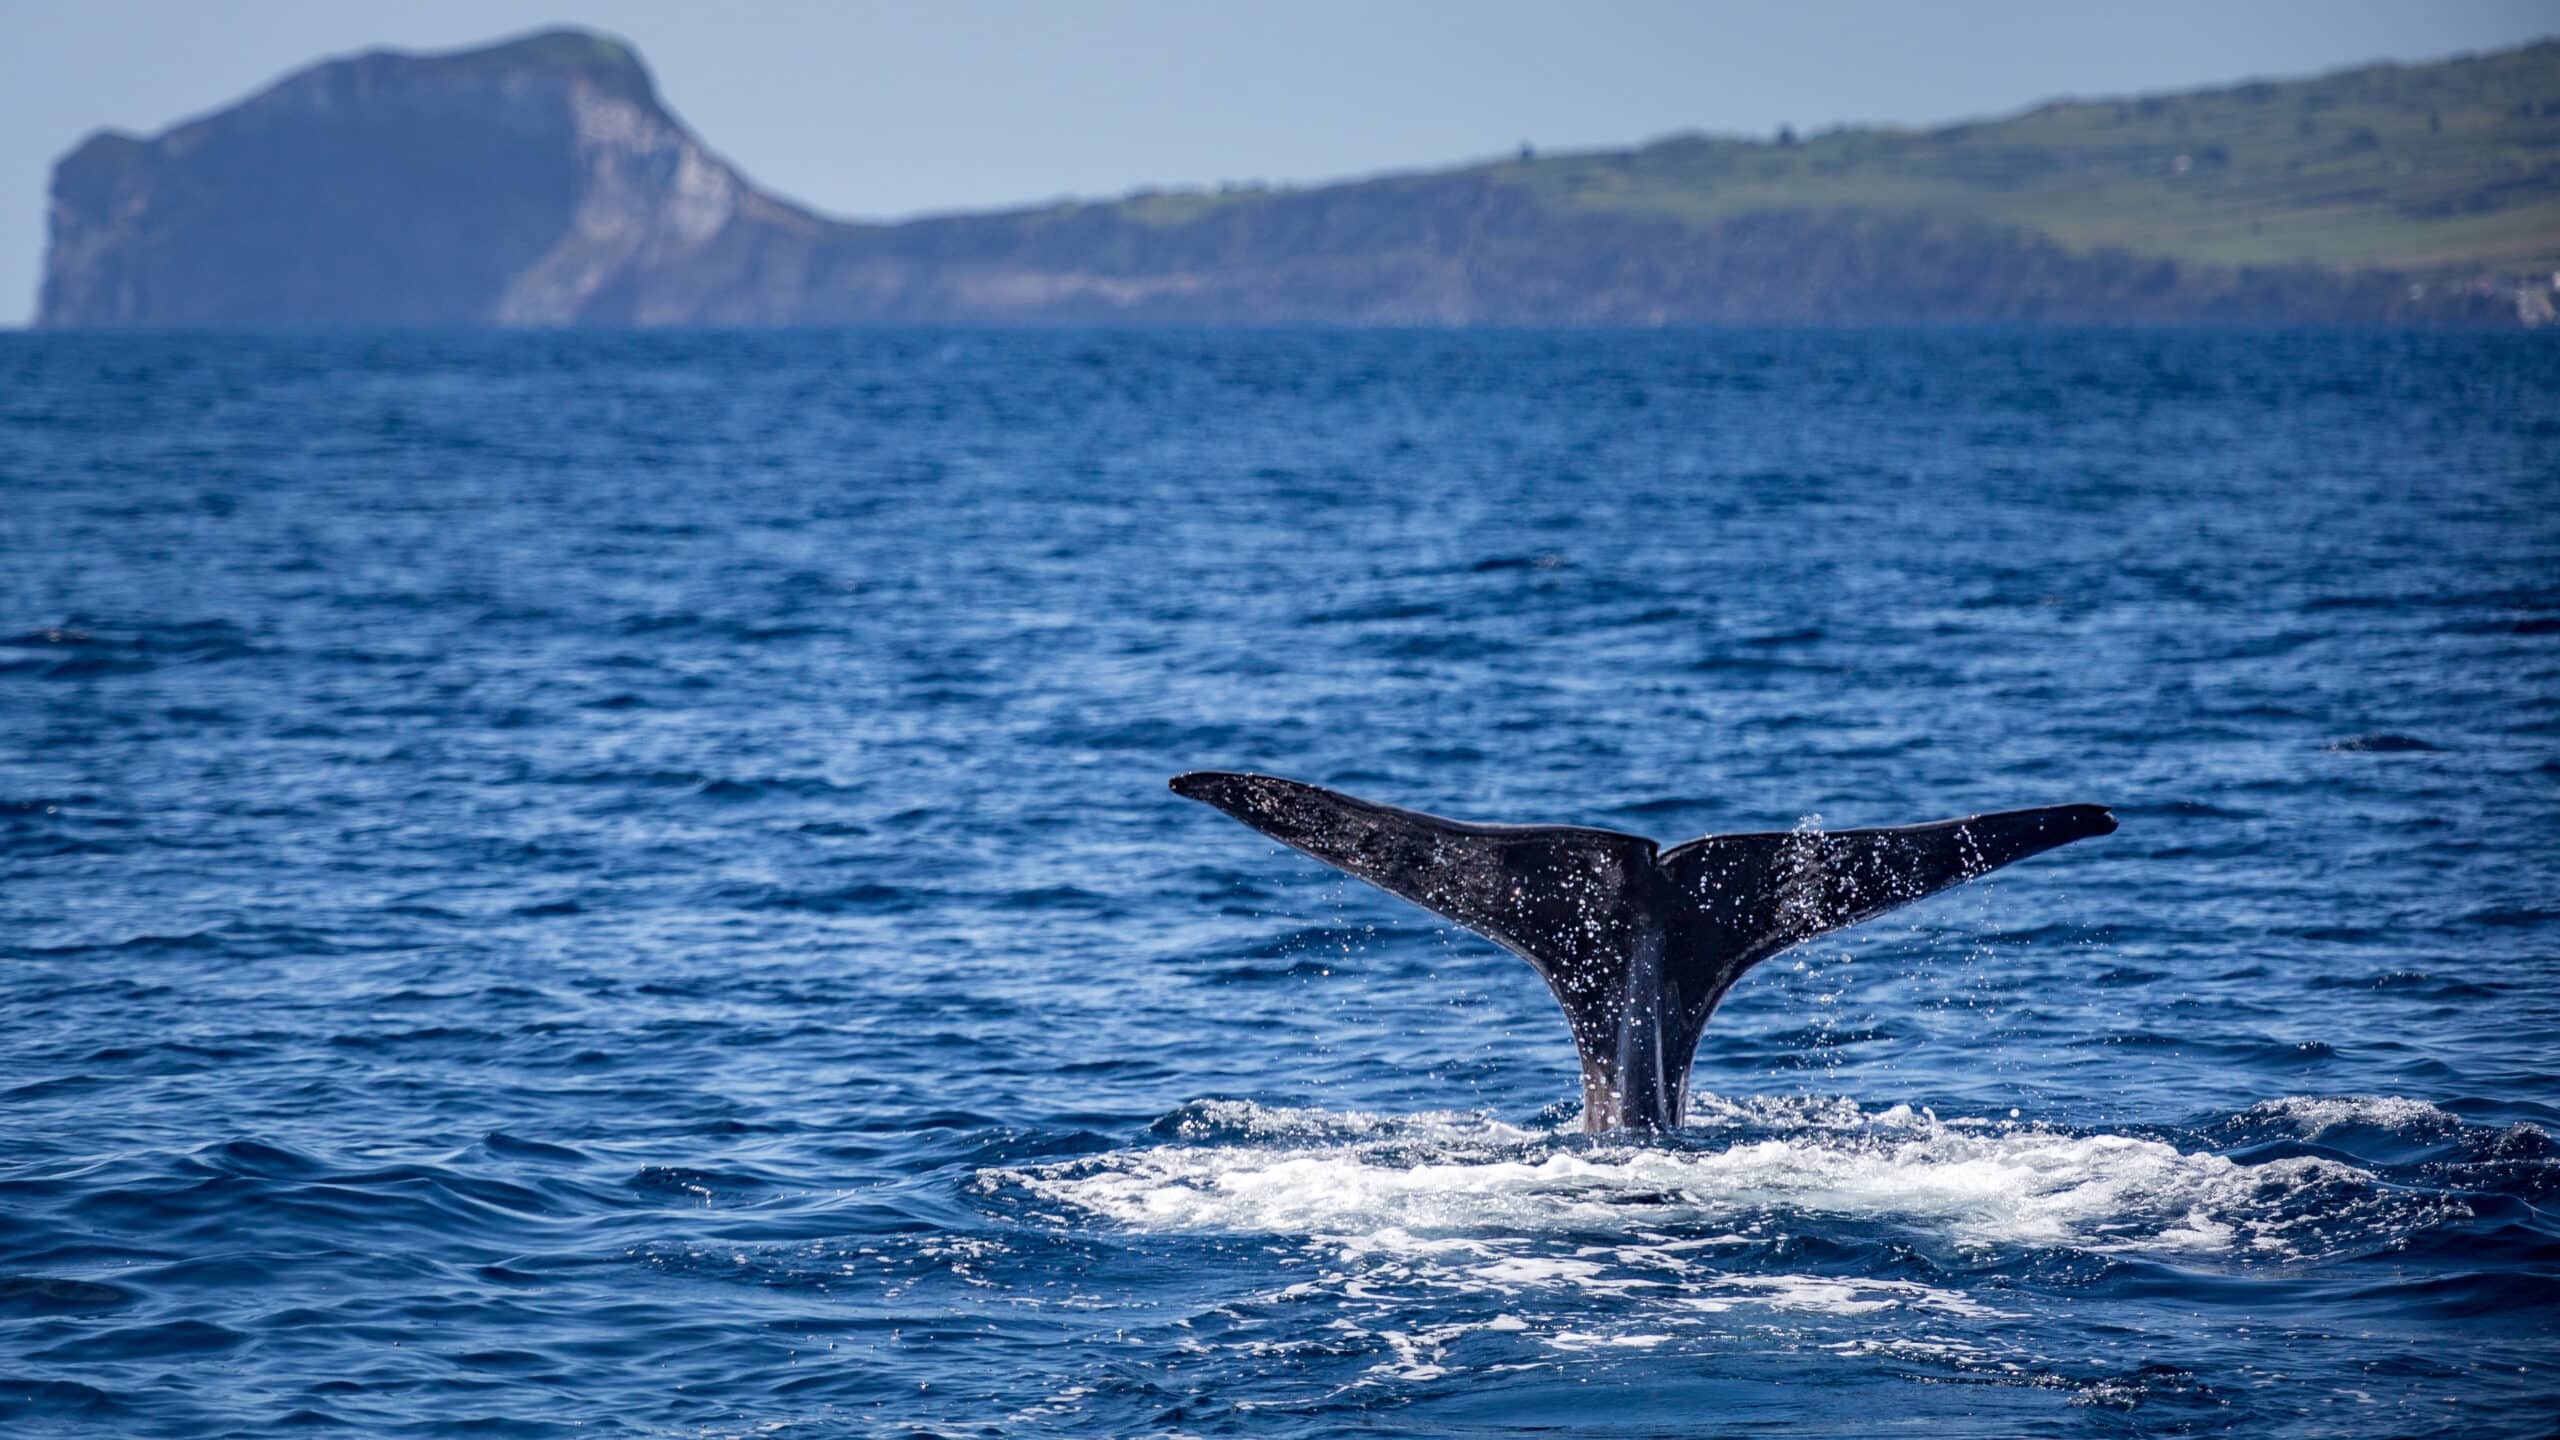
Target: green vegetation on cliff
{"type": "Point", "coordinates": [2450, 168]}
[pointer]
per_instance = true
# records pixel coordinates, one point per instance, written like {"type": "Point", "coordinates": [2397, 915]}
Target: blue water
{"type": "Point", "coordinates": [623, 885]}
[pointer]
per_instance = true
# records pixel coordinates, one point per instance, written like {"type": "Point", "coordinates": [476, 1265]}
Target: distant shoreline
{"type": "Point", "coordinates": [542, 183]}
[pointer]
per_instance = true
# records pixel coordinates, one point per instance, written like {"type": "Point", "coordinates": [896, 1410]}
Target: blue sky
{"type": "Point", "coordinates": [878, 110]}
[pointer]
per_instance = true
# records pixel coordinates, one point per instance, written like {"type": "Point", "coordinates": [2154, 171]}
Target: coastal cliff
{"type": "Point", "coordinates": [543, 182]}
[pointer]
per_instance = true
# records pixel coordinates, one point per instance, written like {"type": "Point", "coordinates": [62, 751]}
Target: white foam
{"type": "Point", "coordinates": [1832, 1295]}
{"type": "Point", "coordinates": [1399, 1184]}
{"type": "Point", "coordinates": [1232, 1120]}
{"type": "Point", "coordinates": [1575, 1248]}
{"type": "Point", "coordinates": [2313, 1116]}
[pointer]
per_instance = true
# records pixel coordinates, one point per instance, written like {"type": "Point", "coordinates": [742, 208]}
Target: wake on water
{"type": "Point", "coordinates": [1572, 1243]}
{"type": "Point", "coordinates": [1757, 1162]}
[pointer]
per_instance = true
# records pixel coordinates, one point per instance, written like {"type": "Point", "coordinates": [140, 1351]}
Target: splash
{"type": "Point", "coordinates": [2314, 1116]}
{"type": "Point", "coordinates": [1418, 1181]}
{"type": "Point", "coordinates": [1449, 1240]}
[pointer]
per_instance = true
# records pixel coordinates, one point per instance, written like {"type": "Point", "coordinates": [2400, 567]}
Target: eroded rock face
{"type": "Point", "coordinates": [514, 186]}
{"type": "Point", "coordinates": [651, 206]}
{"type": "Point", "coordinates": [541, 183]}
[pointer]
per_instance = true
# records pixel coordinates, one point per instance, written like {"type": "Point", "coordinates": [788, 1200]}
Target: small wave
{"type": "Point", "coordinates": [2416, 982]}
{"type": "Point", "coordinates": [192, 943]}
{"type": "Point", "coordinates": [1670, 806]}
{"type": "Point", "coordinates": [150, 1342]}
{"type": "Point", "coordinates": [41, 1399]}
{"type": "Point", "coordinates": [2379, 743]}
{"type": "Point", "coordinates": [1756, 664]}
{"type": "Point", "coordinates": [1805, 636]}
{"type": "Point", "coordinates": [863, 897]}
{"type": "Point", "coordinates": [1440, 645]}
{"type": "Point", "coordinates": [702, 1187]}
{"type": "Point", "coordinates": [1266, 974]}
{"type": "Point", "coordinates": [628, 779]}
{"type": "Point", "coordinates": [33, 1295]}
{"type": "Point", "coordinates": [70, 652]}
{"type": "Point", "coordinates": [46, 805]}
{"type": "Point", "coordinates": [766, 787]}
{"type": "Point", "coordinates": [2513, 916]}
{"type": "Point", "coordinates": [2183, 810]}
{"type": "Point", "coordinates": [519, 1148]}
{"type": "Point", "coordinates": [1052, 897]}
{"type": "Point", "coordinates": [1369, 613]}
{"type": "Point", "coordinates": [2314, 1116]}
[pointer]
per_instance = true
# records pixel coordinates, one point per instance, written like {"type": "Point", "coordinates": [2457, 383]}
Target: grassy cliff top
{"type": "Point", "coordinates": [564, 49]}
{"type": "Point", "coordinates": [2451, 167]}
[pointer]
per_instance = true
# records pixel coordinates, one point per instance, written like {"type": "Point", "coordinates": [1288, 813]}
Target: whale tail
{"type": "Point", "coordinates": [1637, 942]}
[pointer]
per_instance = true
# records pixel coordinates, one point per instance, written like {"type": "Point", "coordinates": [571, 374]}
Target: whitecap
{"type": "Point", "coordinates": [2312, 1116]}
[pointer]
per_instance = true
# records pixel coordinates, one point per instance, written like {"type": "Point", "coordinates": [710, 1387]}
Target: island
{"type": "Point", "coordinates": [543, 182]}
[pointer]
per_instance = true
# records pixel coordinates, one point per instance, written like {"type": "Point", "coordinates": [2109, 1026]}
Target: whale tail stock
{"type": "Point", "coordinates": [1638, 943]}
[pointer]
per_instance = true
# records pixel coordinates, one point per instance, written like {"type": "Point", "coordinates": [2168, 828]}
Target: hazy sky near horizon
{"type": "Point", "coordinates": [876, 111]}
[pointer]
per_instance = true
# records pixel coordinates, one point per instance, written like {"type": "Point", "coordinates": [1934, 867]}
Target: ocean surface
{"type": "Point", "coordinates": [624, 885]}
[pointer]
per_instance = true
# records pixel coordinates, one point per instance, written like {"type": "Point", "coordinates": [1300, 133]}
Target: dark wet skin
{"type": "Point", "coordinates": [1638, 943]}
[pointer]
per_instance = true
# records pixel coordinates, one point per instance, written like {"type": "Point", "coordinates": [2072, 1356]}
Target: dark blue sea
{"type": "Point", "coordinates": [624, 886]}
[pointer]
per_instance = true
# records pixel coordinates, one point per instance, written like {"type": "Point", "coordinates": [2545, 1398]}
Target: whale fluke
{"type": "Point", "coordinates": [1637, 942]}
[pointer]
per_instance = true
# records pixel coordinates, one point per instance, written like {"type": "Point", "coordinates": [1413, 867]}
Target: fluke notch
{"type": "Point", "coordinates": [1637, 942]}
